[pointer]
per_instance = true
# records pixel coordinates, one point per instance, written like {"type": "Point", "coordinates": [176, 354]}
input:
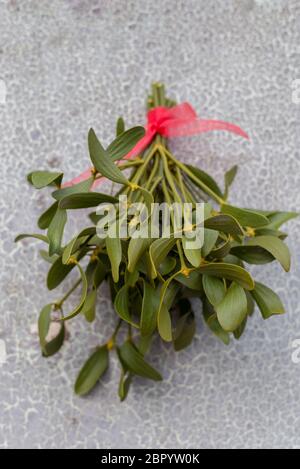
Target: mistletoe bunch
{"type": "Point", "coordinates": [152, 280]}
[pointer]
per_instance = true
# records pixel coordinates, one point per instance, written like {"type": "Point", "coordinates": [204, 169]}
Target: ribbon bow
{"type": "Point", "coordinates": [178, 121]}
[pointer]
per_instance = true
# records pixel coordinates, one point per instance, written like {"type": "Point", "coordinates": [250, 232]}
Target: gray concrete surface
{"type": "Point", "coordinates": [66, 65]}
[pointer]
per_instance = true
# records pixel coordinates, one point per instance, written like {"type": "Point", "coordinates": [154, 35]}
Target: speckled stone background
{"type": "Point", "coordinates": [66, 65]}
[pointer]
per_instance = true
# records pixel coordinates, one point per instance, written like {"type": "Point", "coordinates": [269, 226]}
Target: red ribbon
{"type": "Point", "coordinates": [177, 121]}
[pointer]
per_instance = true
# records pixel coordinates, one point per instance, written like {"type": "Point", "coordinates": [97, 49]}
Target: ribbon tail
{"type": "Point", "coordinates": [182, 128]}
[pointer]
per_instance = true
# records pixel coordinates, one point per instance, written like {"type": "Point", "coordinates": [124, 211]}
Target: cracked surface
{"type": "Point", "coordinates": [70, 64]}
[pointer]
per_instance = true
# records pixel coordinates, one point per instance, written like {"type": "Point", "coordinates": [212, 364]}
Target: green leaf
{"type": "Point", "coordinates": [245, 217]}
{"type": "Point", "coordinates": [224, 223]}
{"type": "Point", "coordinates": [57, 273]}
{"type": "Point", "coordinates": [104, 260]}
{"type": "Point", "coordinates": [100, 273]}
{"type": "Point", "coordinates": [267, 300]}
{"type": "Point", "coordinates": [274, 246]}
{"type": "Point", "coordinates": [136, 363]}
{"type": "Point", "coordinates": [222, 249]}
{"type": "Point", "coordinates": [120, 127]}
{"type": "Point", "coordinates": [240, 330]}
{"type": "Point", "coordinates": [40, 237]}
{"type": "Point", "coordinates": [83, 186]}
{"type": "Point", "coordinates": [103, 162]}
{"type": "Point", "coordinates": [276, 219]}
{"type": "Point", "coordinates": [232, 310]}
{"type": "Point", "coordinates": [164, 324]}
{"type": "Point", "coordinates": [159, 250]}
{"type": "Point", "coordinates": [211, 320]}
{"type": "Point", "coordinates": [136, 248]}
{"type": "Point", "coordinates": [56, 230]}
{"type": "Point", "coordinates": [144, 265]}
{"type": "Point", "coordinates": [231, 259]}
{"type": "Point", "coordinates": [214, 289]}
{"type": "Point", "coordinates": [90, 271]}
{"type": "Point", "coordinates": [124, 143]}
{"type": "Point", "coordinates": [45, 255]}
{"type": "Point", "coordinates": [184, 332]}
{"type": "Point", "coordinates": [171, 292]}
{"type": "Point", "coordinates": [131, 277]}
{"type": "Point", "coordinates": [85, 200]}
{"type": "Point", "coordinates": [167, 294]}
{"type": "Point", "coordinates": [92, 371]}
{"type": "Point", "coordinates": [250, 303]}
{"type": "Point", "coordinates": [167, 265]}
{"type": "Point", "coordinates": [193, 281]}
{"type": "Point", "coordinates": [229, 178]}
{"type": "Point", "coordinates": [49, 348]}
{"type": "Point", "coordinates": [114, 251]}
{"type": "Point", "coordinates": [95, 241]}
{"type": "Point", "coordinates": [44, 323]}
{"type": "Point", "coordinates": [124, 385]}
{"type": "Point", "coordinates": [79, 307]}
{"type": "Point", "coordinates": [75, 243]}
{"type": "Point", "coordinates": [89, 307]}
{"type": "Point", "coordinates": [121, 305]}
{"type": "Point", "coordinates": [252, 254]}
{"type": "Point", "coordinates": [229, 271]}
{"type": "Point", "coordinates": [270, 232]}
{"type": "Point", "coordinates": [192, 255]}
{"type": "Point", "coordinates": [144, 344]}
{"type": "Point", "coordinates": [125, 380]}
{"type": "Point", "coordinates": [210, 239]}
{"type": "Point", "coordinates": [206, 178]}
{"type": "Point", "coordinates": [46, 217]}
{"type": "Point", "coordinates": [150, 307]}
{"type": "Point", "coordinates": [40, 179]}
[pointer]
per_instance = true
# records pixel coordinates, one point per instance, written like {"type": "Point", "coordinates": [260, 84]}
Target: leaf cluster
{"type": "Point", "coordinates": [152, 281]}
